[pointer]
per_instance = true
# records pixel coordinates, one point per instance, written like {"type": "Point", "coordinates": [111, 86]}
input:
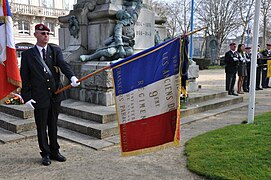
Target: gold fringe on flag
{"type": "Point", "coordinates": [269, 68]}
{"type": "Point", "coordinates": [15, 83]}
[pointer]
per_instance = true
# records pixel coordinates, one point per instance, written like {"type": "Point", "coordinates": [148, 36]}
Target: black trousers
{"type": "Point", "coordinates": [47, 118]}
{"type": "Point", "coordinates": [246, 82]}
{"type": "Point", "coordinates": [258, 76]}
{"type": "Point", "coordinates": [230, 81]}
{"type": "Point", "coordinates": [265, 79]}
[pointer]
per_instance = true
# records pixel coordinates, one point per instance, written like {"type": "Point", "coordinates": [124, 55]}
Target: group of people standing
{"type": "Point", "coordinates": [239, 62]}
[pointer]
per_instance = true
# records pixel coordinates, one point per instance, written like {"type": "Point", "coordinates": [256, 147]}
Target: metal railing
{"type": "Point", "coordinates": [24, 9]}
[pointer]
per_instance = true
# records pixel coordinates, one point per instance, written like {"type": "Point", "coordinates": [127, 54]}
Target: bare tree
{"type": "Point", "coordinates": [245, 10]}
{"type": "Point", "coordinates": [265, 11]}
{"type": "Point", "coordinates": [221, 17]}
{"type": "Point", "coordinates": [176, 13]}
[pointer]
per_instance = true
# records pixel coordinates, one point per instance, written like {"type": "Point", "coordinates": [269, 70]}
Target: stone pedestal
{"type": "Point", "coordinates": [96, 22]}
{"type": "Point", "coordinates": [193, 74]}
{"type": "Point", "coordinates": [97, 89]}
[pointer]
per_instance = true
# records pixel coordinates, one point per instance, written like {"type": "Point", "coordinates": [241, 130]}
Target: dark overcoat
{"type": "Point", "coordinates": [37, 83]}
{"type": "Point", "coordinates": [231, 65]}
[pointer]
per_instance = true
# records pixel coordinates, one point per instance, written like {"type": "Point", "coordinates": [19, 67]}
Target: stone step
{"type": "Point", "coordinates": [193, 109]}
{"type": "Point", "coordinates": [9, 137]}
{"type": "Point", "coordinates": [21, 111]}
{"type": "Point", "coordinates": [93, 112]}
{"type": "Point", "coordinates": [204, 95]}
{"type": "Point", "coordinates": [92, 142]}
{"type": "Point", "coordinates": [213, 112]}
{"type": "Point", "coordinates": [15, 124]}
{"type": "Point", "coordinates": [88, 127]}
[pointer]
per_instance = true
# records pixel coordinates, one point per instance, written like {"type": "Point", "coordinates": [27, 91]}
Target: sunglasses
{"type": "Point", "coordinates": [45, 33]}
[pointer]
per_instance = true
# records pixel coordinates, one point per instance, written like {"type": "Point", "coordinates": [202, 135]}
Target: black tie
{"type": "Point", "coordinates": [43, 54]}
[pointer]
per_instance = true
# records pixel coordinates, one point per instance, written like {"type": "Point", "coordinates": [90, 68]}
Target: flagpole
{"type": "Point", "coordinates": [191, 29]}
{"type": "Point", "coordinates": [251, 105]}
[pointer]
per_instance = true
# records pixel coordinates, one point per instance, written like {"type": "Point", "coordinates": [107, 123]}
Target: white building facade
{"type": "Point", "coordinates": [27, 13]}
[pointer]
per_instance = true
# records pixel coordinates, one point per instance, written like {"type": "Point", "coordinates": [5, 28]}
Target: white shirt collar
{"type": "Point", "coordinates": [40, 49]}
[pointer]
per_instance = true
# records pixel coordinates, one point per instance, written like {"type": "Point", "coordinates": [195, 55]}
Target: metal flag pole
{"type": "Point", "coordinates": [251, 105]}
{"type": "Point", "coordinates": [191, 48]}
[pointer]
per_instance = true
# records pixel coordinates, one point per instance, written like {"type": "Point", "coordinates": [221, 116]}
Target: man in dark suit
{"type": "Point", "coordinates": [231, 67]}
{"type": "Point", "coordinates": [40, 72]}
{"type": "Point", "coordinates": [266, 53]}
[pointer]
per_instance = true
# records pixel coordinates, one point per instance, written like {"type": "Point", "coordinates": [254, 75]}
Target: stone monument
{"type": "Point", "coordinates": [212, 50]}
{"type": "Point", "coordinates": [90, 27]}
{"type": "Point", "coordinates": [104, 31]}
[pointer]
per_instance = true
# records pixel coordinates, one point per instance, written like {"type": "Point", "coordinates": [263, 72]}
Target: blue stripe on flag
{"type": "Point", "coordinates": [147, 67]}
{"type": "Point", "coordinates": [8, 8]}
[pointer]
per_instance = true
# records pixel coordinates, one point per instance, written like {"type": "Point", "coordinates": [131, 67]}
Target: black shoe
{"type": "Point", "coordinates": [268, 87]}
{"type": "Point", "coordinates": [259, 88]}
{"type": "Point", "coordinates": [58, 157]}
{"type": "Point", "coordinates": [234, 94]}
{"type": "Point", "coordinates": [229, 93]}
{"type": "Point", "coordinates": [46, 161]}
{"type": "Point", "coordinates": [246, 90]}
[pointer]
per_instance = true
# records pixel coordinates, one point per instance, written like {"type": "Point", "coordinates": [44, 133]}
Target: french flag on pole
{"type": "Point", "coordinates": [10, 78]}
{"type": "Point", "coordinates": [147, 96]}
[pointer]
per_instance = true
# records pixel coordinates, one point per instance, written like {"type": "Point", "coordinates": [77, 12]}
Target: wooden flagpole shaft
{"type": "Point", "coordinates": [192, 32]}
{"type": "Point", "coordinates": [83, 78]}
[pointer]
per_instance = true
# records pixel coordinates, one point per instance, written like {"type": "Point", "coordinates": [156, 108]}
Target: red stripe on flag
{"type": "Point", "coordinates": [5, 12]}
{"type": "Point", "coordinates": [5, 86]}
{"type": "Point", "coordinates": [10, 78]}
{"type": "Point", "coordinates": [12, 68]}
{"type": "Point", "coordinates": [150, 132]}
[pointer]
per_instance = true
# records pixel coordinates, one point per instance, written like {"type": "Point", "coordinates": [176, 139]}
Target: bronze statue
{"type": "Point", "coordinates": [119, 45]}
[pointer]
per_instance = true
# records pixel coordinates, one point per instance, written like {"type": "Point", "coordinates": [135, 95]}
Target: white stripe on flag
{"type": "Point", "coordinates": [9, 31]}
{"type": "Point", "coordinates": [157, 98]}
{"type": "Point", "coordinates": [3, 43]}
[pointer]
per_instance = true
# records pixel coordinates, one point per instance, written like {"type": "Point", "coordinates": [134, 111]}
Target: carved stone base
{"type": "Point", "coordinates": [97, 89]}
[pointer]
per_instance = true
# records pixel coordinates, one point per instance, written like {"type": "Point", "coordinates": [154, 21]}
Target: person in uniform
{"type": "Point", "coordinates": [242, 68]}
{"type": "Point", "coordinates": [40, 73]}
{"type": "Point", "coordinates": [266, 53]}
{"type": "Point", "coordinates": [258, 70]}
{"type": "Point", "coordinates": [248, 65]}
{"type": "Point", "coordinates": [231, 67]}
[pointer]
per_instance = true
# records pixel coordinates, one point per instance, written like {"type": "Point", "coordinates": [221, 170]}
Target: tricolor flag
{"type": "Point", "coordinates": [10, 78]}
{"type": "Point", "coordinates": [147, 98]}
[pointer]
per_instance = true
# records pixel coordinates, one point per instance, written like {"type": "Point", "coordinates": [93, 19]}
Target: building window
{"type": "Point", "coordinates": [68, 4]}
{"type": "Point", "coordinates": [51, 26]}
{"type": "Point", "coordinates": [47, 3]}
{"type": "Point", "coordinates": [22, 2]}
{"type": "Point", "coordinates": [23, 27]}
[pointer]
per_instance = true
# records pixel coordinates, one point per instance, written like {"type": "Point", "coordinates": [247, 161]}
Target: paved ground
{"type": "Point", "coordinates": [22, 161]}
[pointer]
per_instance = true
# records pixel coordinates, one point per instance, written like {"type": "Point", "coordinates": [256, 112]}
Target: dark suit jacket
{"type": "Point", "coordinates": [36, 83]}
{"type": "Point", "coordinates": [231, 65]}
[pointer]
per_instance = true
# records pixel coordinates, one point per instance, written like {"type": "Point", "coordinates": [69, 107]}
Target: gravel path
{"type": "Point", "coordinates": [22, 160]}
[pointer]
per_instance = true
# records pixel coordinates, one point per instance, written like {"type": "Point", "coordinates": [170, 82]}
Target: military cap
{"type": "Point", "coordinates": [268, 44]}
{"type": "Point", "coordinates": [247, 47]}
{"type": "Point", "coordinates": [232, 44]}
{"type": "Point", "coordinates": [41, 27]}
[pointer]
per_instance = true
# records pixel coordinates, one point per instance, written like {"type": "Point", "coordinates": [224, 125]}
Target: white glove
{"type": "Point", "coordinates": [235, 59]}
{"type": "Point", "coordinates": [29, 103]}
{"type": "Point", "coordinates": [74, 81]}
